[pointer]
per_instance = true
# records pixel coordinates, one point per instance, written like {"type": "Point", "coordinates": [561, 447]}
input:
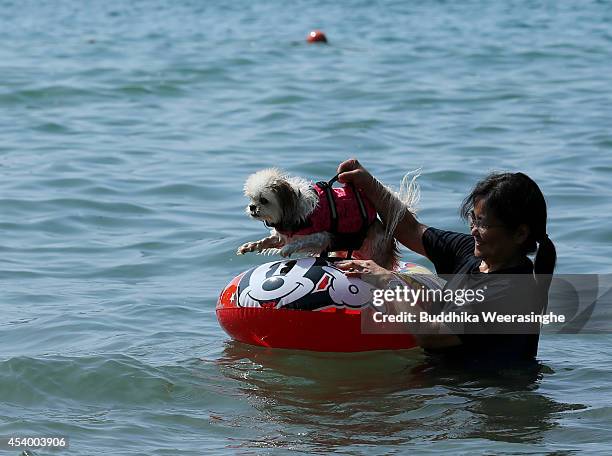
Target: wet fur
{"type": "Point", "coordinates": [288, 200]}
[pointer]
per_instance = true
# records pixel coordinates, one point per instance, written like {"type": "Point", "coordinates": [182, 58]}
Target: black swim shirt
{"type": "Point", "coordinates": [508, 290]}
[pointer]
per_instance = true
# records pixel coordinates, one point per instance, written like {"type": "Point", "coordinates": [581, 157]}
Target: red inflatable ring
{"type": "Point", "coordinates": [303, 304]}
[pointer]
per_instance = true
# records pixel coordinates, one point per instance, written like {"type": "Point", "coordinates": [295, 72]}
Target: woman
{"type": "Point", "coordinates": [507, 218]}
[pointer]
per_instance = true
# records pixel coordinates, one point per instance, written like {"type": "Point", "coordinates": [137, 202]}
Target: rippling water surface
{"type": "Point", "coordinates": [127, 131]}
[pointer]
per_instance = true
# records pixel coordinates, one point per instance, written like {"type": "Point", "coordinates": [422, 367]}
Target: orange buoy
{"type": "Point", "coordinates": [316, 36]}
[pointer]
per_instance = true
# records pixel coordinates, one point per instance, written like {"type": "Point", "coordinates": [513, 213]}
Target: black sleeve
{"type": "Point", "coordinates": [447, 249]}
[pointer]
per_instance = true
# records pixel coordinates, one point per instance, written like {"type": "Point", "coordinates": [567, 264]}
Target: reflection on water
{"type": "Point", "coordinates": [321, 401]}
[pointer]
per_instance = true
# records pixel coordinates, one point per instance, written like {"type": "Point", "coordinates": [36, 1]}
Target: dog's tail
{"type": "Point", "coordinates": [410, 191]}
{"type": "Point", "coordinates": [398, 203]}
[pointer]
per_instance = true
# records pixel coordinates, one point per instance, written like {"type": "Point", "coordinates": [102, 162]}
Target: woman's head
{"type": "Point", "coordinates": [515, 201]}
{"type": "Point", "coordinates": [516, 212]}
{"type": "Point", "coordinates": [495, 242]}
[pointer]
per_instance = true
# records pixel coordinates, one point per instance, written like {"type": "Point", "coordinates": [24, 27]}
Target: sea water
{"type": "Point", "coordinates": [128, 129]}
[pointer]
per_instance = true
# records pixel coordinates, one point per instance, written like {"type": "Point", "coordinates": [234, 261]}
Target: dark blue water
{"type": "Point", "coordinates": [127, 132]}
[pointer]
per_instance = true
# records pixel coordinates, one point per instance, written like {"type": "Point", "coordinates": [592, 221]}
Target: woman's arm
{"type": "Point", "coordinates": [408, 231]}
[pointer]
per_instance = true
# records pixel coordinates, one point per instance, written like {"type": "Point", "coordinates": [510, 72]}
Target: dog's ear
{"type": "Point", "coordinates": [287, 199]}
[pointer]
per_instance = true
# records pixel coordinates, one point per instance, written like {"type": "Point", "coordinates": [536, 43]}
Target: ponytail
{"type": "Point", "coordinates": [544, 265]}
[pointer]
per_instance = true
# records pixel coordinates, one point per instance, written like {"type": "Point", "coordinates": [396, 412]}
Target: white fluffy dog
{"type": "Point", "coordinates": [316, 219]}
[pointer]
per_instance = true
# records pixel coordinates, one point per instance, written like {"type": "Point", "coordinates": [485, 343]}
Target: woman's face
{"type": "Point", "coordinates": [494, 242]}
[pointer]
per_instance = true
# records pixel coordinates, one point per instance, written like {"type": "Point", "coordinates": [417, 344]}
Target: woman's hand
{"type": "Point", "coordinates": [366, 270]}
{"type": "Point", "coordinates": [351, 171]}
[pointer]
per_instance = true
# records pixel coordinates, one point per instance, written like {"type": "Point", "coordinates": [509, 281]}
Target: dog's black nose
{"type": "Point", "coordinates": [252, 207]}
{"type": "Point", "coordinates": [273, 283]}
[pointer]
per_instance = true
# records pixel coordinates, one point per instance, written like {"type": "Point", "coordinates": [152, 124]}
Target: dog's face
{"type": "Point", "coordinates": [272, 198]}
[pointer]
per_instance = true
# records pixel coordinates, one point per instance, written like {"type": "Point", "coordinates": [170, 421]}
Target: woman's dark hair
{"type": "Point", "coordinates": [515, 199]}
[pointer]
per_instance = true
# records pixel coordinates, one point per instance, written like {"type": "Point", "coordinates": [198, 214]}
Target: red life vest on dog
{"type": "Point", "coordinates": [351, 224]}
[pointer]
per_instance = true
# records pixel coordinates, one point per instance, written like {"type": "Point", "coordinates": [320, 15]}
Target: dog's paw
{"type": "Point", "coordinates": [313, 251]}
{"type": "Point", "coordinates": [271, 251]}
{"type": "Point", "coordinates": [247, 247]}
{"type": "Point", "coordinates": [287, 251]}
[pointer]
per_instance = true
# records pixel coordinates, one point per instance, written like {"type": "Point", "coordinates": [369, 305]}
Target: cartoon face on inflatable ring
{"type": "Point", "coordinates": [304, 284]}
